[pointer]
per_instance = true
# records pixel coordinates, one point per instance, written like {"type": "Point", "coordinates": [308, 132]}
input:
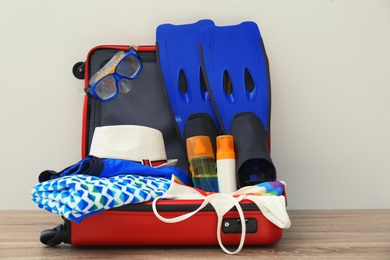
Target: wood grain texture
{"type": "Point", "coordinates": [338, 234]}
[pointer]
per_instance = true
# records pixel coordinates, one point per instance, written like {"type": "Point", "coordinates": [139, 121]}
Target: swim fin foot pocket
{"type": "Point", "coordinates": [253, 160]}
{"type": "Point", "coordinates": [201, 124]}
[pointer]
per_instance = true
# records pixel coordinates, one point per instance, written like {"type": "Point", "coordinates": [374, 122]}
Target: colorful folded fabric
{"type": "Point", "coordinates": [270, 188]}
{"type": "Point", "coordinates": [78, 196]}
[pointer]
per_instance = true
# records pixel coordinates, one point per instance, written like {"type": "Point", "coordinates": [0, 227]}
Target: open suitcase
{"type": "Point", "coordinates": [136, 224]}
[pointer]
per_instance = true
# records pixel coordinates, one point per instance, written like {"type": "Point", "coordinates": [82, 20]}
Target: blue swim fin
{"type": "Point", "coordinates": [179, 60]}
{"type": "Point", "coordinates": [237, 74]}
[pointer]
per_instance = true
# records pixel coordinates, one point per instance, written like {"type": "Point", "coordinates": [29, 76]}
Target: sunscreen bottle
{"type": "Point", "coordinates": [202, 163]}
{"type": "Point", "coordinates": [226, 164]}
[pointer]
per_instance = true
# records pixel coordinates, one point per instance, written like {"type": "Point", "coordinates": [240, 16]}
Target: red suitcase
{"type": "Point", "coordinates": [136, 224]}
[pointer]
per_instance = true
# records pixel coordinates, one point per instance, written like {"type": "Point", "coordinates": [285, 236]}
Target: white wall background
{"type": "Point", "coordinates": [330, 69]}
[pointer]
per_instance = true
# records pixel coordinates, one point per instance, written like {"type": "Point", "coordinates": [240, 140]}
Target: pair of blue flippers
{"type": "Point", "coordinates": [217, 81]}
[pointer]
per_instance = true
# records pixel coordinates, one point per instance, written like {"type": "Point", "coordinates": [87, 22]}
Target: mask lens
{"type": "Point", "coordinates": [106, 88]}
{"type": "Point", "coordinates": [128, 67]}
{"type": "Point", "coordinates": [124, 85]}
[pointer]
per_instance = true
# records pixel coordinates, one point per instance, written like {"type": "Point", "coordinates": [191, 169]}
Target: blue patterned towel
{"type": "Point", "coordinates": [78, 196]}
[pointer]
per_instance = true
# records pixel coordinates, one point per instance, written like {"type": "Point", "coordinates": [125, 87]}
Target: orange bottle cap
{"type": "Point", "coordinates": [225, 147]}
{"type": "Point", "coordinates": [199, 146]}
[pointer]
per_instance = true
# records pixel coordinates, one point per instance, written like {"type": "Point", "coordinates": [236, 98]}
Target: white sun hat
{"type": "Point", "coordinates": [131, 142]}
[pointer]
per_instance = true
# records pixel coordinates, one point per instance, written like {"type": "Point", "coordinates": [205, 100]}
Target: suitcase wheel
{"type": "Point", "coordinates": [79, 70]}
{"type": "Point", "coordinates": [52, 237]}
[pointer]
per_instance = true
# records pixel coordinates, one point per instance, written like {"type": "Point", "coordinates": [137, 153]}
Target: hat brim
{"type": "Point", "coordinates": [171, 162]}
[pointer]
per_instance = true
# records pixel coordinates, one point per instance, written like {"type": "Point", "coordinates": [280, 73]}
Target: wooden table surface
{"type": "Point", "coordinates": [346, 234]}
